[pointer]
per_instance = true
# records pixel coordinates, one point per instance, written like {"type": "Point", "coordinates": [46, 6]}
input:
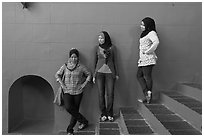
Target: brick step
{"type": "Point", "coordinates": [173, 122]}
{"type": "Point", "coordinates": [188, 108]}
{"type": "Point", "coordinates": [108, 128]}
{"type": "Point", "coordinates": [192, 90]}
{"type": "Point", "coordinates": [134, 122]}
{"type": "Point", "coordinates": [187, 101]}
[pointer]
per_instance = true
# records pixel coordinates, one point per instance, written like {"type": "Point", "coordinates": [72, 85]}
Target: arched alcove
{"type": "Point", "coordinates": [31, 109]}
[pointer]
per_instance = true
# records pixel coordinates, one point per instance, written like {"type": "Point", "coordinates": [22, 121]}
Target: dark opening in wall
{"type": "Point", "coordinates": [31, 109]}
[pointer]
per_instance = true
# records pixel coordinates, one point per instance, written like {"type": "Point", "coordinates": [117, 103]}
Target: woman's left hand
{"type": "Point", "coordinates": [117, 77]}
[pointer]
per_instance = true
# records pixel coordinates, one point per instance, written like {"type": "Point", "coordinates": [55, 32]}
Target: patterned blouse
{"type": "Point", "coordinates": [148, 45]}
{"type": "Point", "coordinates": [73, 79]}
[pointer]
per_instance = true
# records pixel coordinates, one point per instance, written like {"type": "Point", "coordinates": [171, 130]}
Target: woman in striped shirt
{"type": "Point", "coordinates": [76, 76]}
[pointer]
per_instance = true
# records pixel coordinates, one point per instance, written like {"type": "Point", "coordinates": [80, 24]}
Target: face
{"type": "Point", "coordinates": [74, 58]}
{"type": "Point", "coordinates": [142, 26]}
{"type": "Point", "coordinates": [101, 38]}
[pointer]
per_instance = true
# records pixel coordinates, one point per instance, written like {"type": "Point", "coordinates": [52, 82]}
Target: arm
{"type": "Point", "coordinates": [155, 42]}
{"type": "Point", "coordinates": [115, 61]}
{"type": "Point", "coordinates": [88, 78]}
{"type": "Point", "coordinates": [59, 76]}
{"type": "Point", "coordinates": [95, 62]}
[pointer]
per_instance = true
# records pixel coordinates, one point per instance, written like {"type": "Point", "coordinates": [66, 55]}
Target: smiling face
{"type": "Point", "coordinates": [142, 26]}
{"type": "Point", "coordinates": [73, 58]}
{"type": "Point", "coordinates": [101, 38]}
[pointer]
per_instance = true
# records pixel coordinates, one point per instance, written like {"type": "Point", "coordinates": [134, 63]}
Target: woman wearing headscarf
{"type": "Point", "coordinates": [105, 74]}
{"type": "Point", "coordinates": [147, 57]}
{"type": "Point", "coordinates": [76, 77]}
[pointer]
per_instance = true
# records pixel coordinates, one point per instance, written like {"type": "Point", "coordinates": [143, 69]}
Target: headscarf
{"type": "Point", "coordinates": [149, 24]}
{"type": "Point", "coordinates": [107, 44]}
{"type": "Point", "coordinates": [70, 65]}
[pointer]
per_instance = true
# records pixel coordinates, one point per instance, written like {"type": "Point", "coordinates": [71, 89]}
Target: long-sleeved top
{"type": "Point", "coordinates": [148, 45]}
{"type": "Point", "coordinates": [100, 61]}
{"type": "Point", "coordinates": [73, 79]}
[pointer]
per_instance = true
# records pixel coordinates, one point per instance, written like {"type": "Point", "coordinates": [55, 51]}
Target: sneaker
{"type": "Point", "coordinates": [82, 126]}
{"type": "Point", "coordinates": [70, 133]}
{"type": "Point", "coordinates": [111, 119]}
{"type": "Point", "coordinates": [103, 118]}
{"type": "Point", "coordinates": [149, 96]}
{"type": "Point", "coordinates": [142, 100]}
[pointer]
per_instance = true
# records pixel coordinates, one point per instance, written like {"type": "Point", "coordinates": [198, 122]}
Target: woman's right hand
{"type": "Point", "coordinates": [64, 87]}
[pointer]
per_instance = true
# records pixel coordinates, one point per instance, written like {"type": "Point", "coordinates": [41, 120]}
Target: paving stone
{"type": "Point", "coordinates": [177, 125]}
{"type": "Point", "coordinates": [129, 111]}
{"type": "Point", "coordinates": [185, 132]}
{"type": "Point", "coordinates": [132, 116]}
{"type": "Point", "coordinates": [135, 123]}
{"type": "Point", "coordinates": [109, 132]}
{"type": "Point", "coordinates": [190, 104]}
{"type": "Point", "coordinates": [108, 125]}
{"type": "Point", "coordinates": [156, 106]}
{"type": "Point", "coordinates": [139, 130]}
{"type": "Point", "coordinates": [160, 111]}
{"type": "Point", "coordinates": [165, 118]}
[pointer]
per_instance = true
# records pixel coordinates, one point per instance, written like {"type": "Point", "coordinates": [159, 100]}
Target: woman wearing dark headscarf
{"type": "Point", "coordinates": [147, 57]}
{"type": "Point", "coordinates": [105, 74]}
{"type": "Point", "coordinates": [72, 84]}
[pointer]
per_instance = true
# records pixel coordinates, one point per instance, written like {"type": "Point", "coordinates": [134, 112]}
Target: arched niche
{"type": "Point", "coordinates": [31, 109]}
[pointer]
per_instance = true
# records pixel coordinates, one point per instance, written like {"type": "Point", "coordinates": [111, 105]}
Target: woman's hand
{"type": "Point", "coordinates": [117, 77]}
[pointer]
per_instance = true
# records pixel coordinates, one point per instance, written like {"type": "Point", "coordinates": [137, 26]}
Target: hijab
{"type": "Point", "coordinates": [149, 24]}
{"type": "Point", "coordinates": [107, 44]}
{"type": "Point", "coordinates": [70, 65]}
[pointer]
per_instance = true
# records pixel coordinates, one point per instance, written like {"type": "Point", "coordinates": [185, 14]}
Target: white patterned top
{"type": "Point", "coordinates": [148, 45]}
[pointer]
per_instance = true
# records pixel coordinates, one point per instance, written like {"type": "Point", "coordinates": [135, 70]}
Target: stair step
{"type": "Point", "coordinates": [187, 101]}
{"type": "Point", "coordinates": [171, 121]}
{"type": "Point", "coordinates": [135, 123]}
{"type": "Point", "coordinates": [109, 128]}
{"type": "Point", "coordinates": [90, 130]}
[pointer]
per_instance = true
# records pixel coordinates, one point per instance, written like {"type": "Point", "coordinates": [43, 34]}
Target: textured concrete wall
{"type": "Point", "coordinates": [36, 42]}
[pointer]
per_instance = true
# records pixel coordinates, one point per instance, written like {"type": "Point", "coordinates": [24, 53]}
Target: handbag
{"type": "Point", "coordinates": [58, 100]}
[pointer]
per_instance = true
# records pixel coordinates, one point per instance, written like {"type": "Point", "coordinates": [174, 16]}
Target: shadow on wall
{"type": "Point", "coordinates": [31, 106]}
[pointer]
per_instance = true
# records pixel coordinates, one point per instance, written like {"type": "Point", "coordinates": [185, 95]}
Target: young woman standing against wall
{"type": "Point", "coordinates": [105, 74]}
{"type": "Point", "coordinates": [72, 86]}
{"type": "Point", "coordinates": [147, 57]}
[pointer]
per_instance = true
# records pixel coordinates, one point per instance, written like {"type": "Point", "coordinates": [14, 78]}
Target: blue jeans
{"type": "Point", "coordinates": [105, 82]}
{"type": "Point", "coordinates": [144, 76]}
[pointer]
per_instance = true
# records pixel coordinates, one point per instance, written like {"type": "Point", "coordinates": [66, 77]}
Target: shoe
{"type": "Point", "coordinates": [149, 96]}
{"type": "Point", "coordinates": [103, 118]}
{"type": "Point", "coordinates": [142, 100]}
{"type": "Point", "coordinates": [70, 133]}
{"type": "Point", "coordinates": [82, 126]}
{"type": "Point", "coordinates": [110, 118]}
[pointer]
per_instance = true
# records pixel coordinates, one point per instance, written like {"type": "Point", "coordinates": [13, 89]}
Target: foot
{"type": "Point", "coordinates": [70, 133]}
{"type": "Point", "coordinates": [142, 100]}
{"type": "Point", "coordinates": [103, 118]}
{"type": "Point", "coordinates": [110, 118]}
{"type": "Point", "coordinates": [149, 96]}
{"type": "Point", "coordinates": [82, 126]}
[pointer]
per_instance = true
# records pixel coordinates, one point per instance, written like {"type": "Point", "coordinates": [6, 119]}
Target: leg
{"type": "Point", "coordinates": [141, 79]}
{"type": "Point", "coordinates": [148, 76]}
{"type": "Point", "coordinates": [72, 103]}
{"type": "Point", "coordinates": [100, 80]}
{"type": "Point", "coordinates": [110, 82]}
